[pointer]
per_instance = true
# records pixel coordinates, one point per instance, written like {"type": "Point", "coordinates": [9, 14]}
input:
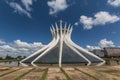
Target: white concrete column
{"type": "Point", "coordinates": [61, 45]}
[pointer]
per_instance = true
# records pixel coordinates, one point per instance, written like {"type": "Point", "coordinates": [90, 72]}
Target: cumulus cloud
{"type": "Point", "coordinates": [2, 42]}
{"type": "Point", "coordinates": [115, 3]}
{"type": "Point", "coordinates": [7, 48]}
{"type": "Point", "coordinates": [18, 9]}
{"type": "Point", "coordinates": [102, 44]}
{"type": "Point", "coordinates": [76, 24]}
{"type": "Point", "coordinates": [19, 47]}
{"type": "Point", "coordinates": [24, 8]}
{"type": "Point", "coordinates": [19, 43]}
{"type": "Point", "coordinates": [27, 4]}
{"type": "Point", "coordinates": [106, 43]}
{"type": "Point", "coordinates": [100, 18]}
{"type": "Point", "coordinates": [87, 22]}
{"type": "Point", "coordinates": [90, 48]}
{"type": "Point", "coordinates": [57, 6]}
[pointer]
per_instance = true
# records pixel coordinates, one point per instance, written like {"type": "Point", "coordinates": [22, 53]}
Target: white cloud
{"type": "Point", "coordinates": [27, 4]}
{"type": "Point", "coordinates": [7, 48]}
{"type": "Point", "coordinates": [19, 43]}
{"type": "Point", "coordinates": [18, 9]}
{"type": "Point", "coordinates": [87, 22]}
{"type": "Point", "coordinates": [24, 8]}
{"type": "Point", "coordinates": [76, 24]}
{"type": "Point", "coordinates": [100, 18]}
{"type": "Point", "coordinates": [57, 6]}
{"type": "Point", "coordinates": [2, 42]}
{"type": "Point", "coordinates": [90, 48]}
{"type": "Point", "coordinates": [115, 3]}
{"type": "Point", "coordinates": [19, 47]}
{"type": "Point", "coordinates": [103, 43]}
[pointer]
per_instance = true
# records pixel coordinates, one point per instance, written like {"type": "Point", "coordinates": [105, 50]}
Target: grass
{"type": "Point", "coordinates": [22, 75]}
{"type": "Point", "coordinates": [44, 74]}
{"type": "Point", "coordinates": [87, 74]}
{"type": "Point", "coordinates": [66, 75]}
{"type": "Point", "coordinates": [8, 60]}
{"type": "Point", "coordinates": [8, 72]}
{"type": "Point", "coordinates": [5, 69]}
{"type": "Point", "coordinates": [111, 58]}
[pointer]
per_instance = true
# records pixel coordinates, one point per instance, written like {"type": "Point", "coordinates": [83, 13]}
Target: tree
{"type": "Point", "coordinates": [8, 57]}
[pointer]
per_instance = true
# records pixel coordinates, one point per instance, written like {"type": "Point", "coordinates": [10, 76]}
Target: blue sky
{"type": "Point", "coordinates": [25, 24]}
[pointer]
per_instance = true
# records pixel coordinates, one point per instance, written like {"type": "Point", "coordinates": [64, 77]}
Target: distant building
{"type": "Point", "coordinates": [112, 51]}
{"type": "Point", "coordinates": [107, 52]}
{"type": "Point", "coordinates": [99, 52]}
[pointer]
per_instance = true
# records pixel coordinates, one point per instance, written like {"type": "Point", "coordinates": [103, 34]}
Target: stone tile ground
{"type": "Point", "coordinates": [55, 73]}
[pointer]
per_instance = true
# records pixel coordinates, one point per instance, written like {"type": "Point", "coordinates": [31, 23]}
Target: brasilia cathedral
{"type": "Point", "coordinates": [62, 50]}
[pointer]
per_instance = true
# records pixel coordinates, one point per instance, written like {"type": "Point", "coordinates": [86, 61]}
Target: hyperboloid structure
{"type": "Point", "coordinates": [62, 49]}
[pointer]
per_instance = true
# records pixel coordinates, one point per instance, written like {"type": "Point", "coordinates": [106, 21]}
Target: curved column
{"type": "Point", "coordinates": [66, 42]}
{"type": "Point", "coordinates": [59, 36]}
{"type": "Point", "coordinates": [46, 51]}
{"type": "Point", "coordinates": [42, 49]}
{"type": "Point", "coordinates": [91, 54]}
{"type": "Point", "coordinates": [23, 64]}
{"type": "Point", "coordinates": [38, 52]}
{"type": "Point", "coordinates": [61, 45]}
{"type": "Point", "coordinates": [83, 50]}
{"type": "Point", "coordinates": [53, 44]}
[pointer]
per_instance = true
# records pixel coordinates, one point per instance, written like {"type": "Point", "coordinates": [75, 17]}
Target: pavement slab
{"type": "Point", "coordinates": [5, 69]}
{"type": "Point", "coordinates": [76, 75]}
{"type": "Point", "coordinates": [15, 74]}
{"type": "Point", "coordinates": [113, 71]}
{"type": "Point", "coordinates": [34, 75]}
{"type": "Point", "coordinates": [55, 74]}
{"type": "Point", "coordinates": [98, 73]}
